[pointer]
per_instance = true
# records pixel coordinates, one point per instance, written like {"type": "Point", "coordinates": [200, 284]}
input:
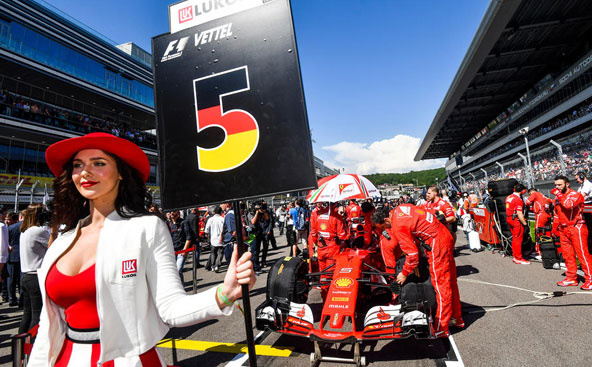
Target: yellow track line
{"type": "Point", "coordinates": [260, 350]}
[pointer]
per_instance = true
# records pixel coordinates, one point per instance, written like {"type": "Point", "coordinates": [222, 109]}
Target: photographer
{"type": "Point", "coordinates": [261, 224]}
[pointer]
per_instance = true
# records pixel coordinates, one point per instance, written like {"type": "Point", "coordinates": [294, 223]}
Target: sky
{"type": "Point", "coordinates": [374, 72]}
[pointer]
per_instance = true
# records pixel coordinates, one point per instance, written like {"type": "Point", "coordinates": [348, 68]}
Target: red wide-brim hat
{"type": "Point", "coordinates": [60, 153]}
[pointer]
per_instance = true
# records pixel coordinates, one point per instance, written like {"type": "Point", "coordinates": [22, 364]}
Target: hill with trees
{"type": "Point", "coordinates": [425, 177]}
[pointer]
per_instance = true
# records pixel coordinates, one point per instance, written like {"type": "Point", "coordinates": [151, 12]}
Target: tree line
{"type": "Point", "coordinates": [426, 177]}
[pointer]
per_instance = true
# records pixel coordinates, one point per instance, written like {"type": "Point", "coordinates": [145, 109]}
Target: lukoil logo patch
{"type": "Point", "coordinates": [129, 268]}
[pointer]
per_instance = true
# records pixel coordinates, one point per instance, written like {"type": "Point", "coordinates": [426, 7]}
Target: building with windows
{"type": "Point", "coordinates": [60, 79]}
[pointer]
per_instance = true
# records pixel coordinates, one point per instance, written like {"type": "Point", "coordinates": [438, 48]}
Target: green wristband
{"type": "Point", "coordinates": [223, 297]}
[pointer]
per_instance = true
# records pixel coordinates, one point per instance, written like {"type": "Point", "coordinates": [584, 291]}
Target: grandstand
{"type": "Point", "coordinates": [526, 79]}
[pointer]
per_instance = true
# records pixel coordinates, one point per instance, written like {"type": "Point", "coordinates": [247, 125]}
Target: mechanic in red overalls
{"type": "Point", "coordinates": [540, 206]}
{"type": "Point", "coordinates": [353, 210]}
{"type": "Point", "coordinates": [367, 210]}
{"type": "Point", "coordinates": [445, 214]}
{"type": "Point", "coordinates": [516, 222]}
{"type": "Point", "coordinates": [411, 224]}
{"type": "Point", "coordinates": [389, 245]}
{"type": "Point", "coordinates": [327, 233]}
{"type": "Point", "coordinates": [573, 233]}
{"type": "Point", "coordinates": [312, 248]}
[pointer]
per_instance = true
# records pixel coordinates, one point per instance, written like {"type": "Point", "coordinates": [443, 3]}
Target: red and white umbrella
{"type": "Point", "coordinates": [343, 187]}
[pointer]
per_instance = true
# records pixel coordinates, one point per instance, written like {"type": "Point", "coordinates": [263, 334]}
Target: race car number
{"type": "Point", "coordinates": [240, 127]}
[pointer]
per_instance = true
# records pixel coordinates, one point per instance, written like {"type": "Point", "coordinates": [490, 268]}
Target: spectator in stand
{"type": "Point", "coordinates": [215, 229]}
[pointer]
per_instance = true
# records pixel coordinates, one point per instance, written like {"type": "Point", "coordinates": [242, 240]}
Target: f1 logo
{"type": "Point", "coordinates": [128, 267]}
{"type": "Point", "coordinates": [185, 14]}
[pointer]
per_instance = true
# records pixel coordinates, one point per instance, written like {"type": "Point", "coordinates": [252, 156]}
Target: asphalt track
{"type": "Point", "coordinates": [551, 332]}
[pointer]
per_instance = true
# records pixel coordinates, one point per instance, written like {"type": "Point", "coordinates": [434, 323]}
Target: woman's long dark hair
{"type": "Point", "coordinates": [69, 206]}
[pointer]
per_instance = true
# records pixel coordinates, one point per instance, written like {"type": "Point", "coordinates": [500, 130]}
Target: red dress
{"type": "Point", "coordinates": [77, 296]}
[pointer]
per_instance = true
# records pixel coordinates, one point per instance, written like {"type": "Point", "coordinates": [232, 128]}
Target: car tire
{"type": "Point", "coordinates": [287, 280]}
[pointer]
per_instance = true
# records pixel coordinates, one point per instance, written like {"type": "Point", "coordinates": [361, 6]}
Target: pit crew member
{"type": "Point", "coordinates": [411, 225]}
{"type": "Point", "coordinates": [516, 222]}
{"type": "Point", "coordinates": [327, 233]}
{"type": "Point", "coordinates": [586, 190]}
{"type": "Point", "coordinates": [445, 215]}
{"type": "Point", "coordinates": [573, 233]}
{"type": "Point", "coordinates": [389, 245]}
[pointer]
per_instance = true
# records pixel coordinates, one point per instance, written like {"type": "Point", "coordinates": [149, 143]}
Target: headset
{"type": "Point", "coordinates": [581, 176]}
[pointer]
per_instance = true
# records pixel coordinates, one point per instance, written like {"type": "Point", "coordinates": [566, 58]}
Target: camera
{"type": "Point", "coordinates": [523, 131]}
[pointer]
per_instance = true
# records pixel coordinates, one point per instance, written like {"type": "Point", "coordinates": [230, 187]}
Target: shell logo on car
{"type": "Point", "coordinates": [344, 282]}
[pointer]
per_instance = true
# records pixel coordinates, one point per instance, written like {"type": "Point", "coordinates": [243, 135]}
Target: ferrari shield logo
{"type": "Point", "coordinates": [343, 187]}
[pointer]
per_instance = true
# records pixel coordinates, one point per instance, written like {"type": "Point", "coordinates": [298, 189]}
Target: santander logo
{"type": "Point", "coordinates": [301, 313]}
{"type": "Point", "coordinates": [383, 316]}
{"type": "Point", "coordinates": [129, 268]}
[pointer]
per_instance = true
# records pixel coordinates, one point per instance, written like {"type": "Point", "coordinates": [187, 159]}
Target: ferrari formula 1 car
{"type": "Point", "coordinates": [362, 302]}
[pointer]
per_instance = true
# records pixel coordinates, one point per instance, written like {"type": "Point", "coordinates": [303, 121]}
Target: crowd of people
{"type": "Point", "coordinates": [581, 110]}
{"type": "Point", "coordinates": [546, 163]}
{"type": "Point", "coordinates": [15, 105]}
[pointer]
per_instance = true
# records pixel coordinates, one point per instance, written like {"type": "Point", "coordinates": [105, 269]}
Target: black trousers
{"type": "Point", "coordinates": [32, 302]}
{"type": "Point", "coordinates": [271, 239]}
{"type": "Point", "coordinates": [14, 278]}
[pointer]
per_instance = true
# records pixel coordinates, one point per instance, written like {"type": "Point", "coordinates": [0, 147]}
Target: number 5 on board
{"type": "Point", "coordinates": [240, 127]}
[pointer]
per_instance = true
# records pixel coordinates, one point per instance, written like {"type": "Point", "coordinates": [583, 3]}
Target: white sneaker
{"type": "Point", "coordinates": [521, 262]}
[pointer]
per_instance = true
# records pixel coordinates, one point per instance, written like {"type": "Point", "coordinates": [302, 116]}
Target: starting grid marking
{"type": "Point", "coordinates": [459, 361]}
{"type": "Point", "coordinates": [235, 348]}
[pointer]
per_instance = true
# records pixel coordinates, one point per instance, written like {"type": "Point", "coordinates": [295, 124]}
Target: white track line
{"type": "Point", "coordinates": [458, 363]}
{"type": "Point", "coordinates": [241, 358]}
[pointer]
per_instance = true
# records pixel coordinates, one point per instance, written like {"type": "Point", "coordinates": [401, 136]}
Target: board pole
{"type": "Point", "coordinates": [246, 298]}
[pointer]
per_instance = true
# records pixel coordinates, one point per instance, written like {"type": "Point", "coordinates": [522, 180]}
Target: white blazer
{"type": "Point", "coordinates": [139, 293]}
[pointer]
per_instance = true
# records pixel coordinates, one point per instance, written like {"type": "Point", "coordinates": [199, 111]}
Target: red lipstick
{"type": "Point", "coordinates": [87, 184]}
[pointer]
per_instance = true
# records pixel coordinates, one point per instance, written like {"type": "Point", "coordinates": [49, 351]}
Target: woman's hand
{"type": "Point", "coordinates": [240, 271]}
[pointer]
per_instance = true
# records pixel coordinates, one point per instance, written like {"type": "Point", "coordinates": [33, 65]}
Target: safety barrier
{"type": "Point", "coordinates": [193, 266]}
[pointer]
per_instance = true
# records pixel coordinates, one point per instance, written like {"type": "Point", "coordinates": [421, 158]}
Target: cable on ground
{"type": "Point", "coordinates": [540, 296]}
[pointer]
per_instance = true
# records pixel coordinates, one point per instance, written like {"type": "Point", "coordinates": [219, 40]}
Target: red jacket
{"type": "Point", "coordinates": [353, 210]}
{"type": "Point", "coordinates": [327, 224]}
{"type": "Point", "coordinates": [569, 210]}
{"type": "Point", "coordinates": [514, 203]}
{"type": "Point", "coordinates": [410, 223]}
{"type": "Point", "coordinates": [440, 206]}
{"type": "Point", "coordinates": [538, 202]}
